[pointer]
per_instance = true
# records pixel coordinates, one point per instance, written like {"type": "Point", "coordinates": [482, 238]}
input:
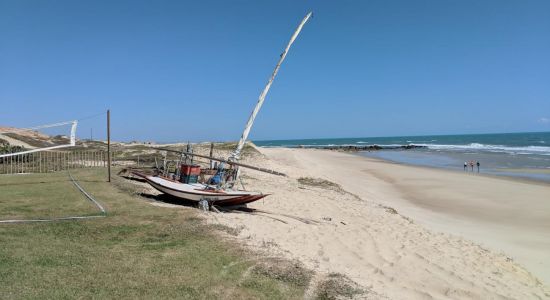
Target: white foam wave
{"type": "Point", "coordinates": [470, 148]}
{"type": "Point", "coordinates": [542, 150]}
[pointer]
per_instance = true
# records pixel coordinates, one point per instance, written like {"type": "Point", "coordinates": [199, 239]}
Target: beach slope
{"type": "Point", "coordinates": [400, 231]}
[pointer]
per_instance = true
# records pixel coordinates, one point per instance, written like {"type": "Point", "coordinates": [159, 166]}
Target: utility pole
{"type": "Point", "coordinates": [109, 145]}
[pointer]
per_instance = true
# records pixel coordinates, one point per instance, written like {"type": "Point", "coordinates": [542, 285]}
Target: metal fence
{"type": "Point", "coordinates": [52, 161]}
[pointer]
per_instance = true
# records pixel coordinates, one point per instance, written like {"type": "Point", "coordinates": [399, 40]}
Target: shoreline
{"type": "Point", "coordinates": [487, 175]}
{"type": "Point", "coordinates": [400, 231]}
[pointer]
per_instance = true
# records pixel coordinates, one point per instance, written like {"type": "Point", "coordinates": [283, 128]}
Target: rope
{"type": "Point", "coordinates": [50, 220]}
{"type": "Point", "coordinates": [91, 116]}
{"type": "Point", "coordinates": [37, 127]}
{"type": "Point", "coordinates": [52, 125]}
{"type": "Point", "coordinates": [86, 194]}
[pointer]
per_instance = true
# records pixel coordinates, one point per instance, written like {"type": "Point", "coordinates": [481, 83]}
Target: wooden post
{"type": "Point", "coordinates": [211, 155]}
{"type": "Point", "coordinates": [109, 145]}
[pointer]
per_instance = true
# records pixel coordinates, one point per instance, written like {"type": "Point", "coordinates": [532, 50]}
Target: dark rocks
{"type": "Point", "coordinates": [354, 148]}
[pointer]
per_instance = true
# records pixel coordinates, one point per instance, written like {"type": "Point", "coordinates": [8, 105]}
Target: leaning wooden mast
{"type": "Point", "coordinates": [237, 153]}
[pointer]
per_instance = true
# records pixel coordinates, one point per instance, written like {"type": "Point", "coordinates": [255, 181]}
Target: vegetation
{"type": "Point", "coordinates": [338, 286]}
{"type": "Point", "coordinates": [41, 196]}
{"type": "Point", "coordinates": [248, 149]}
{"type": "Point", "coordinates": [35, 140]}
{"type": "Point", "coordinates": [5, 147]}
{"type": "Point", "coordinates": [320, 183]}
{"type": "Point", "coordinates": [137, 251]}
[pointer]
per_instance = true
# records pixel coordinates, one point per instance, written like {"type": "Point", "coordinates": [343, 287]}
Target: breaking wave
{"type": "Point", "coordinates": [473, 147]}
{"type": "Point", "coordinates": [541, 150]}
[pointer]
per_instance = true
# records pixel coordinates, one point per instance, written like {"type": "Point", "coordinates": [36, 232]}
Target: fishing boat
{"type": "Point", "coordinates": [196, 192]}
{"type": "Point", "coordinates": [220, 189]}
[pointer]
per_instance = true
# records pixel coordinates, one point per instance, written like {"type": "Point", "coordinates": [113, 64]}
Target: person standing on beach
{"type": "Point", "coordinates": [472, 165]}
{"type": "Point", "coordinates": [477, 164]}
{"type": "Point", "coordinates": [465, 166]}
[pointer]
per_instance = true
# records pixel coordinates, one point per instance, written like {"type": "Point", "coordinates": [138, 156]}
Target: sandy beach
{"type": "Point", "coordinates": [400, 231]}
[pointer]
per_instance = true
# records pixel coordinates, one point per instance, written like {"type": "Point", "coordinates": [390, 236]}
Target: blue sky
{"type": "Point", "coordinates": [176, 70]}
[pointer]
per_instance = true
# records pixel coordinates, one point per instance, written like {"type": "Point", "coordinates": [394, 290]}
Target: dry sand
{"type": "Point", "coordinates": [454, 235]}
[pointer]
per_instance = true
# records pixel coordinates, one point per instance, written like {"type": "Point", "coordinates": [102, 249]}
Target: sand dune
{"type": "Point", "coordinates": [15, 142]}
{"type": "Point", "coordinates": [427, 250]}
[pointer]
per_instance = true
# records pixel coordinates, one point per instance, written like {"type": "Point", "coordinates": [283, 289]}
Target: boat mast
{"type": "Point", "coordinates": [237, 153]}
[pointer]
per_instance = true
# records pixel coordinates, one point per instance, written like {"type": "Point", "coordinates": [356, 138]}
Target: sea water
{"type": "Point", "coordinates": [524, 155]}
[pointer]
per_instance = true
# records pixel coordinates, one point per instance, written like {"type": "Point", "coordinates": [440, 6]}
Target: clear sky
{"type": "Point", "coordinates": [177, 70]}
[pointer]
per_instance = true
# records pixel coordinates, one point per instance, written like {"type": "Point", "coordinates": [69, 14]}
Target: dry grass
{"type": "Point", "coordinates": [338, 286]}
{"type": "Point", "coordinates": [320, 183]}
{"type": "Point", "coordinates": [36, 139]}
{"type": "Point", "coordinates": [292, 272]}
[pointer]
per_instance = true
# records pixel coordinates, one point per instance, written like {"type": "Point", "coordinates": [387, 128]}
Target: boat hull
{"type": "Point", "coordinates": [193, 192]}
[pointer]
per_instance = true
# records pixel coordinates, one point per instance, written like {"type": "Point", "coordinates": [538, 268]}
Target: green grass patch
{"type": "Point", "coordinates": [138, 251]}
{"type": "Point", "coordinates": [26, 196]}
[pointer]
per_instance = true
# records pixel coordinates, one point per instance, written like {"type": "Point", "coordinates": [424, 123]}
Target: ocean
{"type": "Point", "coordinates": [525, 155]}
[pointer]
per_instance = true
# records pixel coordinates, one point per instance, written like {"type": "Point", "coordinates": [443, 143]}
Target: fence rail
{"type": "Point", "coordinates": [52, 161]}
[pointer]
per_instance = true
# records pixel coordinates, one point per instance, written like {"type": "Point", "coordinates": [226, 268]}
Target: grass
{"type": "Point", "coordinates": [138, 251]}
{"type": "Point", "coordinates": [46, 196]}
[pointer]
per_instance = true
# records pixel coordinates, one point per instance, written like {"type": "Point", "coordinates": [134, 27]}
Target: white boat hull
{"type": "Point", "coordinates": [196, 192]}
